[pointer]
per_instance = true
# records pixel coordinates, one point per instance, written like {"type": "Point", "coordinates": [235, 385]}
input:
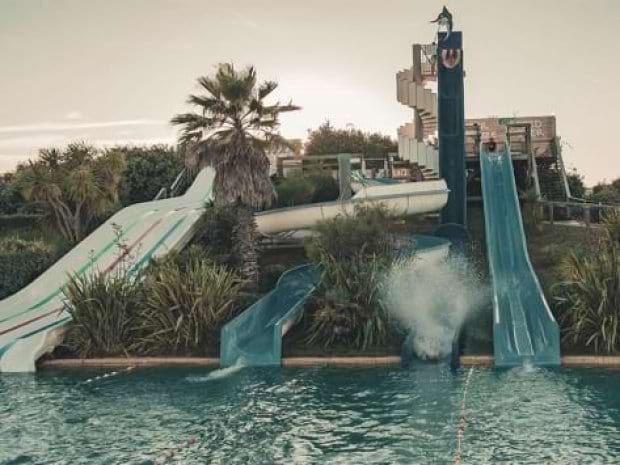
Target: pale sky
{"type": "Point", "coordinates": [116, 71]}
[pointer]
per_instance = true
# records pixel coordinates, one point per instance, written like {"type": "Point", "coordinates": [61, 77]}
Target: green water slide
{"type": "Point", "coordinates": [254, 338]}
{"type": "Point", "coordinates": [524, 330]}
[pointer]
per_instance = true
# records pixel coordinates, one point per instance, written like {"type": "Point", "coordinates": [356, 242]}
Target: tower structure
{"type": "Point", "coordinates": [434, 142]}
{"type": "Point", "coordinates": [417, 142]}
{"type": "Point", "coordinates": [451, 125]}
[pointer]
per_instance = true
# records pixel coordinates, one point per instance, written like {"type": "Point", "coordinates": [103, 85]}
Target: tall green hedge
{"type": "Point", "coordinates": [305, 188]}
{"type": "Point", "coordinates": [148, 169]}
{"type": "Point", "coordinates": [19, 222]}
{"type": "Point", "coordinates": [21, 262]}
{"type": "Point", "coordinates": [10, 200]}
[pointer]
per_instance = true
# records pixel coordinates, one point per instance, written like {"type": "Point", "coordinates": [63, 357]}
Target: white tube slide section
{"type": "Point", "coordinates": [402, 199]}
{"type": "Point", "coordinates": [31, 320]}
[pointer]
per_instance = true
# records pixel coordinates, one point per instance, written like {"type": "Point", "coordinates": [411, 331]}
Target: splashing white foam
{"type": "Point", "coordinates": [432, 300]}
{"type": "Point", "coordinates": [217, 374]}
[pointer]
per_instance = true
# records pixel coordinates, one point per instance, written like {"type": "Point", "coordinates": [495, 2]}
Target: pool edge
{"type": "Point", "coordinates": [125, 362]}
{"type": "Point", "coordinates": [569, 361]}
{"type": "Point", "coordinates": [606, 361]}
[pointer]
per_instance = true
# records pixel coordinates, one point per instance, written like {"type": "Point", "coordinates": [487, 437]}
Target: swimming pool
{"type": "Point", "coordinates": [318, 415]}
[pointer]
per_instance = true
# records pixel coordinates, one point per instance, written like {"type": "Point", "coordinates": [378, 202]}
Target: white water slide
{"type": "Point", "coordinates": [32, 320]}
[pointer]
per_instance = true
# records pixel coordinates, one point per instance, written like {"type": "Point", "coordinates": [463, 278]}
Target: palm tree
{"type": "Point", "coordinates": [73, 187]}
{"type": "Point", "coordinates": [232, 132]}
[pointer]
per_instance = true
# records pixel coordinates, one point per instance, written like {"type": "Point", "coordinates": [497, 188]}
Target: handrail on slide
{"type": "Point", "coordinates": [524, 330]}
{"type": "Point", "coordinates": [254, 337]}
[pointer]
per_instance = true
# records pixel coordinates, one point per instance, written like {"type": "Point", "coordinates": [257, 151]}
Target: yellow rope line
{"type": "Point", "coordinates": [462, 420]}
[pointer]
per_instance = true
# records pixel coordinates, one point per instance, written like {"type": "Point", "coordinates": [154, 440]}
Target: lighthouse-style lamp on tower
{"type": "Point", "coordinates": [451, 126]}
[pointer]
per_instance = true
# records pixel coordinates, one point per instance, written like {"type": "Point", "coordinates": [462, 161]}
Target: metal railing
{"type": "Point", "coordinates": [174, 189]}
{"type": "Point", "coordinates": [583, 212]}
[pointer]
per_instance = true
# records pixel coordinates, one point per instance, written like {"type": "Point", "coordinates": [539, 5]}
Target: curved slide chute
{"type": "Point", "coordinates": [524, 330]}
{"type": "Point", "coordinates": [32, 320]}
{"type": "Point", "coordinates": [254, 338]}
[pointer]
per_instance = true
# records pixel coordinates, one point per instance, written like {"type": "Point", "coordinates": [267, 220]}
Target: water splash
{"type": "Point", "coordinates": [217, 374]}
{"type": "Point", "coordinates": [432, 300]}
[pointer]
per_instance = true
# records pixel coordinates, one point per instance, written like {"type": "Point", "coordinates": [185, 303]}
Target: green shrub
{"type": "Point", "coordinates": [104, 308]}
{"type": "Point", "coordinates": [10, 200]}
{"type": "Point", "coordinates": [366, 232]}
{"type": "Point", "coordinates": [176, 306]}
{"type": "Point", "coordinates": [183, 259]}
{"type": "Point", "coordinates": [325, 186]}
{"type": "Point", "coordinates": [588, 295]}
{"type": "Point", "coordinates": [347, 307]}
{"type": "Point", "coordinates": [22, 261]}
{"type": "Point", "coordinates": [606, 193]}
{"type": "Point", "coordinates": [293, 190]}
{"type": "Point", "coordinates": [304, 188]}
{"type": "Point", "coordinates": [215, 235]}
{"type": "Point", "coordinates": [20, 222]}
{"type": "Point", "coordinates": [327, 139]}
{"type": "Point", "coordinates": [354, 253]}
{"type": "Point", "coordinates": [184, 309]}
{"type": "Point", "coordinates": [148, 170]}
{"type": "Point", "coordinates": [75, 187]}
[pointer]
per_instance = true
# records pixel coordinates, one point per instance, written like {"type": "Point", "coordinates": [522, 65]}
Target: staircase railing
{"type": "Point", "coordinates": [560, 163]}
{"type": "Point", "coordinates": [174, 188]}
{"type": "Point", "coordinates": [535, 176]}
{"type": "Point", "coordinates": [584, 210]}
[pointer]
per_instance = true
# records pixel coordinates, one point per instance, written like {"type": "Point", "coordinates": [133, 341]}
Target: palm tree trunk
{"type": "Point", "coordinates": [246, 238]}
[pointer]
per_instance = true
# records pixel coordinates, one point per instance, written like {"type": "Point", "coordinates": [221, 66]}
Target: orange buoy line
{"type": "Point", "coordinates": [460, 433]}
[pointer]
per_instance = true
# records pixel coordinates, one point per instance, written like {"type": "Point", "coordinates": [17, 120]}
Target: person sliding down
{"type": "Point", "coordinates": [491, 145]}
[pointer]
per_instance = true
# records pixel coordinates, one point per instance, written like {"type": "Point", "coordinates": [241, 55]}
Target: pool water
{"type": "Point", "coordinates": [311, 416]}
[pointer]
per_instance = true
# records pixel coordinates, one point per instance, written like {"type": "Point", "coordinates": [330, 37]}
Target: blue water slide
{"type": "Point", "coordinates": [524, 330]}
{"type": "Point", "coordinates": [254, 338]}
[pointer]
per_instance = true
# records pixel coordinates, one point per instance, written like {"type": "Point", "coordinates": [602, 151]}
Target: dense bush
{"type": "Point", "coordinates": [215, 235]}
{"type": "Point", "coordinates": [295, 189]}
{"type": "Point", "coordinates": [184, 309]}
{"type": "Point", "coordinates": [175, 306]}
{"type": "Point", "coordinates": [588, 295]}
{"type": "Point", "coordinates": [148, 170]}
{"type": "Point", "coordinates": [21, 261]}
{"type": "Point", "coordinates": [104, 310]}
{"type": "Point", "coordinates": [576, 184]}
{"type": "Point", "coordinates": [75, 186]}
{"type": "Point", "coordinates": [368, 231]}
{"type": "Point", "coordinates": [306, 188]}
{"type": "Point", "coordinates": [354, 254]}
{"type": "Point", "coordinates": [327, 140]}
{"type": "Point", "coordinates": [606, 193]}
{"type": "Point", "coordinates": [10, 200]}
{"type": "Point", "coordinates": [20, 222]}
{"type": "Point", "coordinates": [325, 186]}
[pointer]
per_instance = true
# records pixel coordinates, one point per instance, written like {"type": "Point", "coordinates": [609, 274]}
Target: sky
{"type": "Point", "coordinates": [116, 71]}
